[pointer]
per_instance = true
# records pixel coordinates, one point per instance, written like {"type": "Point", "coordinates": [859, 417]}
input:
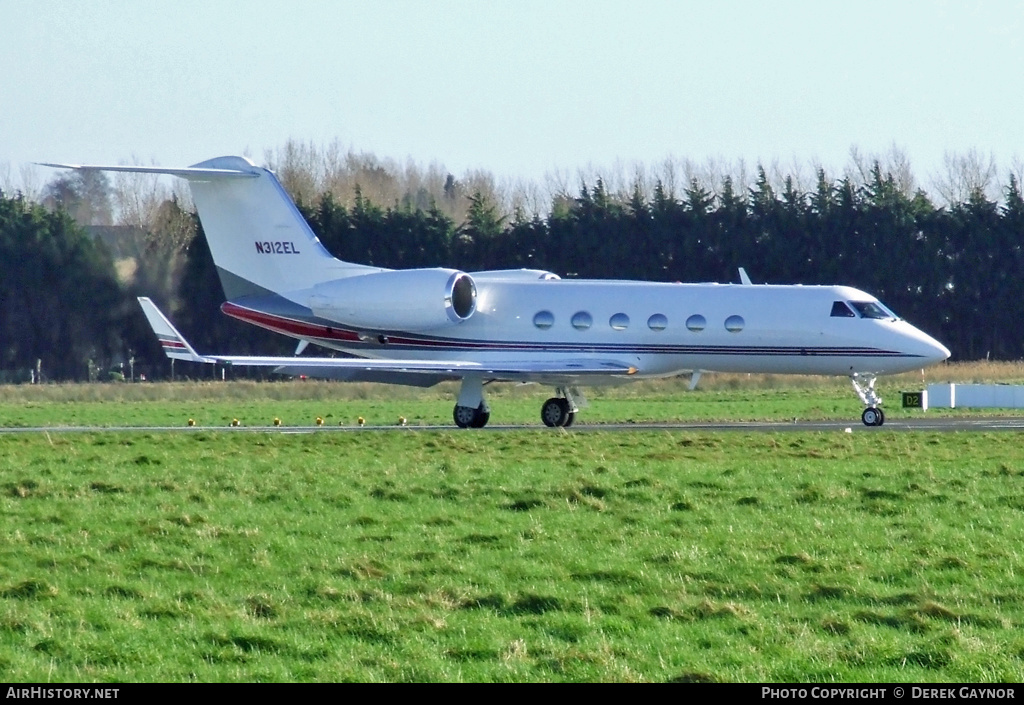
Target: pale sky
{"type": "Point", "coordinates": [519, 88]}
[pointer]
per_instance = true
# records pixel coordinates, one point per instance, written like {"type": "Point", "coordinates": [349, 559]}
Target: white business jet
{"type": "Point", "coordinates": [423, 326]}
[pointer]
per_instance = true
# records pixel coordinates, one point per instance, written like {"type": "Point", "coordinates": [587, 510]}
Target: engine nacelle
{"type": "Point", "coordinates": [404, 299]}
{"type": "Point", "coordinates": [515, 275]}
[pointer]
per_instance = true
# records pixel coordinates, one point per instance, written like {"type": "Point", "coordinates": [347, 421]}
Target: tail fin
{"type": "Point", "coordinates": [174, 344]}
{"type": "Point", "coordinates": [259, 241]}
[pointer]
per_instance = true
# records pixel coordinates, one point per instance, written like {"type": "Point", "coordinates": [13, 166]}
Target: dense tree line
{"type": "Point", "coordinates": [61, 305]}
{"type": "Point", "coordinates": [955, 271]}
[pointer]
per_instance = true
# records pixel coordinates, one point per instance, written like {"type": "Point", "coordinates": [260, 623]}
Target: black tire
{"type": "Point", "coordinates": [872, 416]}
{"type": "Point", "coordinates": [481, 418]}
{"type": "Point", "coordinates": [555, 412]}
{"type": "Point", "coordinates": [468, 417]}
{"type": "Point", "coordinates": [464, 416]}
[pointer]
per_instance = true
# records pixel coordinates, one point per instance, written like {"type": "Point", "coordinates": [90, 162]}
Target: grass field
{"type": "Point", "coordinates": [525, 556]}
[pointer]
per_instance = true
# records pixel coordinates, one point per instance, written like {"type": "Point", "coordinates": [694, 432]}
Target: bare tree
{"type": "Point", "coordinates": [897, 163]}
{"type": "Point", "coordinates": [668, 174]}
{"type": "Point", "coordinates": [557, 183]}
{"type": "Point", "coordinates": [137, 198]}
{"type": "Point", "coordinates": [155, 226]}
{"type": "Point", "coordinates": [28, 185]}
{"type": "Point", "coordinates": [307, 172]}
{"type": "Point", "coordinates": [30, 182]}
{"type": "Point", "coordinates": [297, 165]}
{"type": "Point", "coordinates": [893, 162]}
{"type": "Point", "coordinates": [966, 175]}
{"type": "Point", "coordinates": [1017, 171]}
{"type": "Point", "coordinates": [527, 199]}
{"type": "Point", "coordinates": [858, 168]}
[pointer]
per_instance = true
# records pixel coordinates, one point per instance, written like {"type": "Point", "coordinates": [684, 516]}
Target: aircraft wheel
{"type": "Point", "coordinates": [569, 421]}
{"type": "Point", "coordinates": [481, 418]}
{"type": "Point", "coordinates": [555, 412]}
{"type": "Point", "coordinates": [872, 416]}
{"type": "Point", "coordinates": [464, 416]}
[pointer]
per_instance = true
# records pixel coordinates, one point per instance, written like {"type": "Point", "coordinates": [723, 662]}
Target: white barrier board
{"type": "Point", "coordinates": [978, 396]}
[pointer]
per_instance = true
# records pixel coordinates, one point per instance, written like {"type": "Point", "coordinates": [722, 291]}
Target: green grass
{"type": "Point", "coordinates": [525, 556]}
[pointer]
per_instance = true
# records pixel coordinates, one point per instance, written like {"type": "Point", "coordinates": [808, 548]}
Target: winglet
{"type": "Point", "coordinates": [174, 344]}
{"type": "Point", "coordinates": [744, 279]}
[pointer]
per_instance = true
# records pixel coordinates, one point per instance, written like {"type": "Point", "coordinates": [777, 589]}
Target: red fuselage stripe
{"type": "Point", "coordinates": [287, 325]}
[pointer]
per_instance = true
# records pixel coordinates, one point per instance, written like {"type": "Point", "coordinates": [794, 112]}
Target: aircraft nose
{"type": "Point", "coordinates": [932, 350]}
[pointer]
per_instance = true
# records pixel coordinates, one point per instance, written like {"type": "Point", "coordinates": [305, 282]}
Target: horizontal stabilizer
{"type": "Point", "coordinates": [193, 173]}
{"type": "Point", "coordinates": [174, 344]}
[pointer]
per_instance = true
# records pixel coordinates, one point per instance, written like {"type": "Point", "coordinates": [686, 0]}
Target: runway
{"type": "Point", "coordinates": [946, 424]}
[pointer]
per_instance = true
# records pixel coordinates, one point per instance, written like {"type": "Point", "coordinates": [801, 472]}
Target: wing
{"type": "Point", "coordinates": [393, 371]}
{"type": "Point", "coordinates": [508, 371]}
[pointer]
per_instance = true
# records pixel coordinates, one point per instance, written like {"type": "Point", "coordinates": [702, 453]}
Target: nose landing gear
{"type": "Point", "coordinates": [873, 416]}
{"type": "Point", "coordinates": [864, 385]}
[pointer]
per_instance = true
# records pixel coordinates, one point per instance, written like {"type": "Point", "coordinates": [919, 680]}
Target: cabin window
{"type": "Point", "coordinates": [696, 323]}
{"type": "Point", "coordinates": [619, 321]}
{"type": "Point", "coordinates": [581, 320]}
{"type": "Point", "coordinates": [544, 320]}
{"type": "Point", "coordinates": [657, 322]}
{"type": "Point", "coordinates": [734, 324]}
{"type": "Point", "coordinates": [841, 310]}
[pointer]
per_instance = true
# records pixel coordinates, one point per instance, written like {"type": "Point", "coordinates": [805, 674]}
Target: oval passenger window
{"type": "Point", "coordinates": [544, 320]}
{"type": "Point", "coordinates": [734, 324]}
{"type": "Point", "coordinates": [581, 320]}
{"type": "Point", "coordinates": [657, 322]}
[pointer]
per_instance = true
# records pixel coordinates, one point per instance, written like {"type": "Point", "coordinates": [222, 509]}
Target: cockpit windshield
{"type": "Point", "coordinates": [841, 310]}
{"type": "Point", "coordinates": [873, 309]}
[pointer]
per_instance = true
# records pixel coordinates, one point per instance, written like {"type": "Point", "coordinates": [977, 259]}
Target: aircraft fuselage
{"type": "Point", "coordinates": [661, 328]}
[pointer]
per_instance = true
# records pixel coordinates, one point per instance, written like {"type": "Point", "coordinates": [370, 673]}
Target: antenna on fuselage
{"type": "Point", "coordinates": [744, 279]}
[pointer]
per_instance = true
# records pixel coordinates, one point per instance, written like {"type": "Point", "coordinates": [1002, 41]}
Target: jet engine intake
{"type": "Point", "coordinates": [406, 300]}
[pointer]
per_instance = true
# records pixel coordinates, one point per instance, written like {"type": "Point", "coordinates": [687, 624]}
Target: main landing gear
{"type": "Point", "coordinates": [864, 385]}
{"type": "Point", "coordinates": [468, 417]}
{"type": "Point", "coordinates": [471, 410]}
{"type": "Point", "coordinates": [560, 412]}
{"type": "Point", "coordinates": [556, 412]}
